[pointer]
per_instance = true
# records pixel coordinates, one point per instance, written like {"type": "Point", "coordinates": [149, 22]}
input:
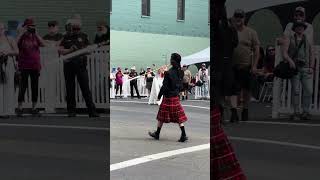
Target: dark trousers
{"type": "Point", "coordinates": [135, 86]}
{"type": "Point", "coordinates": [74, 70]}
{"type": "Point", "coordinates": [34, 76]}
{"type": "Point", "coordinates": [119, 86]}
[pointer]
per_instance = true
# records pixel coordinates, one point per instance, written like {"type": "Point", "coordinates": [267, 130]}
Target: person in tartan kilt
{"type": "Point", "coordinates": [223, 162]}
{"type": "Point", "coordinates": [170, 110]}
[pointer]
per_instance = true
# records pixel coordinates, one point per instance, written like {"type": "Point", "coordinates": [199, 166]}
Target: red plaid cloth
{"type": "Point", "coordinates": [171, 111]}
{"type": "Point", "coordinates": [224, 164]}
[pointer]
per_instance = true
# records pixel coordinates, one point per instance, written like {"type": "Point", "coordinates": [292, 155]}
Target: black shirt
{"type": "Point", "coordinates": [79, 40]}
{"type": "Point", "coordinates": [103, 38]}
{"type": "Point", "coordinates": [172, 83]}
{"type": "Point", "coordinates": [55, 37]}
{"type": "Point", "coordinates": [133, 75]}
{"type": "Point", "coordinates": [149, 79]}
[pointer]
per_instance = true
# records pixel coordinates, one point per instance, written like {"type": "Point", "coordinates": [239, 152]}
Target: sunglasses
{"type": "Point", "coordinates": [271, 49]}
{"type": "Point", "coordinates": [237, 15]}
{"type": "Point", "coordinates": [76, 29]}
{"type": "Point", "coordinates": [299, 14]}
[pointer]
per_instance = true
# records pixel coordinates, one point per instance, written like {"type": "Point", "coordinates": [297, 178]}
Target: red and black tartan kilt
{"type": "Point", "coordinates": [224, 164]}
{"type": "Point", "coordinates": [171, 111]}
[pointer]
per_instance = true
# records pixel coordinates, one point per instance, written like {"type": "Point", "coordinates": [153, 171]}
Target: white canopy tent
{"type": "Point", "coordinates": [199, 57]}
{"type": "Point", "coordinates": [250, 5]}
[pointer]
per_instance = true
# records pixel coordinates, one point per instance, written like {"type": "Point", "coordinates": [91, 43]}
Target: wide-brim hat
{"type": "Point", "coordinates": [299, 24]}
{"type": "Point", "coordinates": [133, 68]}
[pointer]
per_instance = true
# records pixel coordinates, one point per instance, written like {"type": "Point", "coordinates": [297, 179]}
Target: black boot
{"type": "Point", "coordinates": [183, 137]}
{"type": "Point", "coordinates": [234, 115]}
{"type": "Point", "coordinates": [156, 134]}
{"type": "Point", "coordinates": [245, 115]}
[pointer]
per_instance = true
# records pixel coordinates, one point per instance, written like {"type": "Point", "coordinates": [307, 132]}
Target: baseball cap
{"type": "Point", "coordinates": [300, 9]}
{"type": "Point", "coordinates": [28, 22]}
{"type": "Point", "coordinates": [239, 13]}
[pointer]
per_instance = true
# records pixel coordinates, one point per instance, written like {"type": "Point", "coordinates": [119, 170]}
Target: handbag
{"type": "Point", "coordinates": [283, 69]}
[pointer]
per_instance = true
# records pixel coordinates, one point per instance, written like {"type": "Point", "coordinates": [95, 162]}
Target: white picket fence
{"type": "Point", "coordinates": [142, 88]}
{"type": "Point", "coordinates": [282, 91]}
{"type": "Point", "coordinates": [52, 85]}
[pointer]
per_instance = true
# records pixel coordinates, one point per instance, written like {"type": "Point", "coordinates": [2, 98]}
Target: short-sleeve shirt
{"type": "Point", "coordinates": [29, 52]}
{"type": "Point", "coordinates": [187, 76]}
{"type": "Point", "coordinates": [243, 53]}
{"type": "Point", "coordinates": [79, 40]}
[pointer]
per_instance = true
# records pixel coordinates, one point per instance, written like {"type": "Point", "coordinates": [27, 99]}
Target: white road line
{"type": "Point", "coordinates": [53, 126]}
{"type": "Point", "coordinates": [139, 102]}
{"type": "Point", "coordinates": [266, 141]}
{"type": "Point", "coordinates": [282, 123]}
{"type": "Point", "coordinates": [153, 157]}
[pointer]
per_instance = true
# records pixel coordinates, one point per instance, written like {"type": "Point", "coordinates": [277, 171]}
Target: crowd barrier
{"type": "Point", "coordinates": [282, 91]}
{"type": "Point", "coordinates": [52, 85]}
{"type": "Point", "coordinates": [143, 90]}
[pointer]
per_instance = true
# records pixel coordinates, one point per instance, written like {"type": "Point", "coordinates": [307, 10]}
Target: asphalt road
{"type": "Point", "coordinates": [276, 149]}
{"type": "Point", "coordinates": [54, 148]}
{"type": "Point", "coordinates": [131, 121]}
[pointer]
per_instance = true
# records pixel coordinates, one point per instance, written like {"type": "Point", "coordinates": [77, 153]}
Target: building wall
{"type": "Point", "coordinates": [61, 10]}
{"type": "Point", "coordinates": [145, 49]}
{"type": "Point", "coordinates": [142, 41]}
{"type": "Point", "coordinates": [126, 16]}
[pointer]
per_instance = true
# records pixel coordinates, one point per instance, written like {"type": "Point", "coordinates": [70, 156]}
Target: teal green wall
{"type": "Point", "coordinates": [61, 10]}
{"type": "Point", "coordinates": [126, 16]}
{"type": "Point", "coordinates": [145, 49]}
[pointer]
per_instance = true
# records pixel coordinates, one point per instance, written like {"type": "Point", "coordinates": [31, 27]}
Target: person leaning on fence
{"type": "Point", "coordinates": [170, 110]}
{"type": "Point", "coordinates": [297, 50]}
{"type": "Point", "coordinates": [53, 37]}
{"type": "Point", "coordinates": [8, 47]}
{"type": "Point", "coordinates": [103, 33]}
{"type": "Point", "coordinates": [119, 81]}
{"type": "Point", "coordinates": [134, 82]}
{"type": "Point", "coordinates": [29, 43]}
{"type": "Point", "coordinates": [204, 79]}
{"type": "Point", "coordinates": [76, 67]}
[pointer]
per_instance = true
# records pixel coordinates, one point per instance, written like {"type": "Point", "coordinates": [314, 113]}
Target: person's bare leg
{"type": "Point", "coordinates": [234, 104]}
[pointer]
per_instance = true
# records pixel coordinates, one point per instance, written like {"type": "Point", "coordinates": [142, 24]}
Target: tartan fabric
{"type": "Point", "coordinates": [171, 111]}
{"type": "Point", "coordinates": [224, 164]}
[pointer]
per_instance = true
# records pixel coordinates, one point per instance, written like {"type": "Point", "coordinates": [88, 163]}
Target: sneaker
{"type": "Point", "coordinates": [295, 117]}
{"type": "Point", "coordinates": [305, 116]}
{"type": "Point", "coordinates": [154, 135]}
{"type": "Point", "coordinates": [94, 115]}
{"type": "Point", "coordinates": [245, 115]}
{"type": "Point", "coordinates": [183, 139]}
{"type": "Point", "coordinates": [35, 112]}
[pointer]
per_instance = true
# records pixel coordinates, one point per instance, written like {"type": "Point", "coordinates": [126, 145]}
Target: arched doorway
{"type": "Point", "coordinates": [267, 25]}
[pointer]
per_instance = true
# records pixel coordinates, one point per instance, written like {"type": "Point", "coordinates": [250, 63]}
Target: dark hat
{"type": "Point", "coordinates": [299, 24]}
{"type": "Point", "coordinates": [176, 57]}
{"type": "Point", "coordinates": [53, 23]}
{"type": "Point", "coordinates": [28, 22]}
{"type": "Point", "coordinates": [239, 13]}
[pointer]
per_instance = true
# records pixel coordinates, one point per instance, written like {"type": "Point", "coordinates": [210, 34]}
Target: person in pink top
{"type": "Point", "coordinates": [29, 43]}
{"type": "Point", "coordinates": [119, 81]}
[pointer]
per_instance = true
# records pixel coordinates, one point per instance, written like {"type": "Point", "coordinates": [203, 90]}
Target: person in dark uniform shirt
{"type": "Point", "coordinates": [133, 83]}
{"type": "Point", "coordinates": [170, 110]}
{"type": "Point", "coordinates": [76, 67]}
{"type": "Point", "coordinates": [53, 35]}
{"type": "Point", "coordinates": [103, 33]}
